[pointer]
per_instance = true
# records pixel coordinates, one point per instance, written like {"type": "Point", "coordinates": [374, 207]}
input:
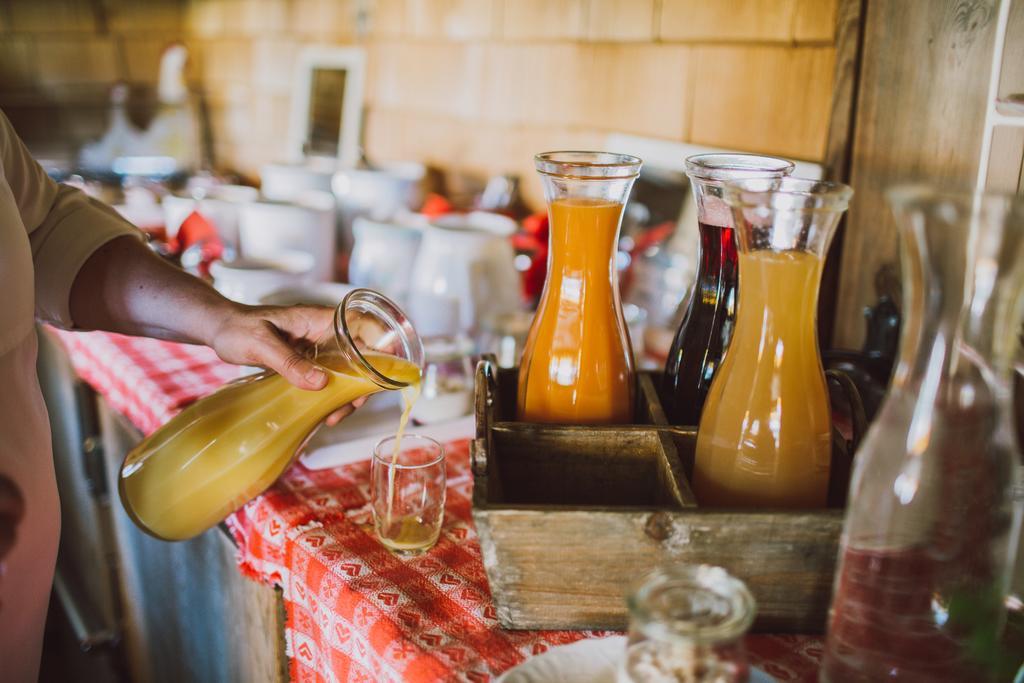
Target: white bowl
{"type": "Point", "coordinates": [319, 294]}
{"type": "Point", "coordinates": [306, 224]}
{"type": "Point", "coordinates": [247, 280]}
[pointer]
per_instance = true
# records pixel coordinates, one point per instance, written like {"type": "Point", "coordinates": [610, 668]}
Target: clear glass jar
{"type": "Point", "coordinates": [686, 625]}
{"type": "Point", "coordinates": [446, 389]}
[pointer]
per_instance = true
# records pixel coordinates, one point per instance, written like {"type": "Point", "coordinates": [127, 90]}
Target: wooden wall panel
{"type": "Point", "coordinates": [620, 82]}
{"type": "Point", "coordinates": [734, 20]}
{"type": "Point", "coordinates": [621, 20]}
{"type": "Point", "coordinates": [920, 117]}
{"type": "Point", "coordinates": [1011, 79]}
{"type": "Point", "coordinates": [451, 19]}
{"type": "Point", "coordinates": [816, 20]}
{"type": "Point", "coordinates": [53, 16]}
{"type": "Point", "coordinates": [576, 68]}
{"type": "Point", "coordinates": [774, 100]}
{"type": "Point", "coordinates": [1004, 164]}
{"type": "Point", "coordinates": [77, 60]}
{"type": "Point", "coordinates": [543, 20]}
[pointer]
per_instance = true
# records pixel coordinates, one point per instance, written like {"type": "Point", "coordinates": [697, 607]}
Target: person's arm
{"type": "Point", "coordinates": [125, 287]}
{"type": "Point", "coordinates": [93, 271]}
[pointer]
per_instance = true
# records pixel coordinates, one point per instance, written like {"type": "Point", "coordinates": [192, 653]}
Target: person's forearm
{"type": "Point", "coordinates": [125, 287]}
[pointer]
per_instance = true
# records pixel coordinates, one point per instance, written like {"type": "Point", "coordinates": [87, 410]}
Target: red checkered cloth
{"type": "Point", "coordinates": [355, 612]}
{"type": "Point", "coordinates": [146, 380]}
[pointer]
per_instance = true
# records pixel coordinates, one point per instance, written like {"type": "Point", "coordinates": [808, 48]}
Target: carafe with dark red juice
{"type": "Point", "coordinates": [704, 335]}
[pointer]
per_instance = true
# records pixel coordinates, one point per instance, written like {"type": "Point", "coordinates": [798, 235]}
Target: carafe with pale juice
{"type": "Point", "coordinates": [765, 433]}
{"type": "Point", "coordinates": [229, 447]}
{"type": "Point", "coordinates": [577, 364]}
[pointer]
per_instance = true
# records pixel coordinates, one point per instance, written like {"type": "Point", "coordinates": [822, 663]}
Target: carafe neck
{"type": "Point", "coordinates": [962, 285]}
{"type": "Point", "coordinates": [368, 325]}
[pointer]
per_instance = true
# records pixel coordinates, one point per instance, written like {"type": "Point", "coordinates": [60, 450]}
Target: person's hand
{"type": "Point", "coordinates": [12, 509]}
{"type": "Point", "coordinates": [275, 337]}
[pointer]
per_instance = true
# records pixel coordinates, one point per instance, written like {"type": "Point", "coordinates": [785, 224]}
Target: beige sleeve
{"type": "Point", "coordinates": [65, 226]}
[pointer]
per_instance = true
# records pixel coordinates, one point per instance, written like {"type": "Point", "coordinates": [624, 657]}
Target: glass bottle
{"type": "Point", "coordinates": [934, 510]}
{"type": "Point", "coordinates": [704, 334]}
{"type": "Point", "coordinates": [765, 437]}
{"type": "Point", "coordinates": [686, 623]}
{"type": "Point", "coordinates": [577, 365]}
{"type": "Point", "coordinates": [228, 447]}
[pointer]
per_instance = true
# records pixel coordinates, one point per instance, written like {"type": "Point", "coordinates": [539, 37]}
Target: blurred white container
{"type": "Point", "coordinates": [307, 224]}
{"type": "Point", "coordinates": [381, 191]}
{"type": "Point", "coordinates": [220, 205]}
{"type": "Point", "coordinates": [287, 182]}
{"type": "Point", "coordinates": [248, 280]}
{"type": "Point", "coordinates": [464, 271]}
{"type": "Point", "coordinates": [318, 294]}
{"type": "Point", "coordinates": [384, 254]}
{"type": "Point", "coordinates": [446, 390]}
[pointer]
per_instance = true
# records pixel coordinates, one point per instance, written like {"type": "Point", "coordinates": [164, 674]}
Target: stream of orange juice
{"type": "Point", "coordinates": [224, 450]}
{"type": "Point", "coordinates": [410, 394]}
{"type": "Point", "coordinates": [577, 363]}
{"type": "Point", "coordinates": [765, 433]}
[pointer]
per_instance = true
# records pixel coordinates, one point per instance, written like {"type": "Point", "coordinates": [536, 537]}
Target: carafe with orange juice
{"type": "Point", "coordinates": [765, 434]}
{"type": "Point", "coordinates": [229, 447]}
{"type": "Point", "coordinates": [577, 365]}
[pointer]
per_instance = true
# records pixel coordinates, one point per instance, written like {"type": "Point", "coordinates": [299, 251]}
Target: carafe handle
{"type": "Point", "coordinates": [844, 449]}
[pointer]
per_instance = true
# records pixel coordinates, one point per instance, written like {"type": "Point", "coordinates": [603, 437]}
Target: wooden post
{"type": "Point", "coordinates": [920, 115]}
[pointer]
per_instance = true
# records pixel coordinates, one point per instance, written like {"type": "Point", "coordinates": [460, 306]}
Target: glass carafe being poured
{"type": "Point", "coordinates": [936, 494]}
{"type": "Point", "coordinates": [227, 448]}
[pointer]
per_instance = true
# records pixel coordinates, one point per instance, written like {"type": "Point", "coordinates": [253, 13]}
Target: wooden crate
{"type": "Point", "coordinates": [570, 516]}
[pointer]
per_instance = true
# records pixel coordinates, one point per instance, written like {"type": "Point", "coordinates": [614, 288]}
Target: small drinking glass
{"type": "Point", "coordinates": [408, 481]}
{"type": "Point", "coordinates": [686, 624]}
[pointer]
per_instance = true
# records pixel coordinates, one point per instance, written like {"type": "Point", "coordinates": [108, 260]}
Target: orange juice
{"type": "Point", "coordinates": [577, 364]}
{"type": "Point", "coordinates": [224, 450]}
{"type": "Point", "coordinates": [410, 395]}
{"type": "Point", "coordinates": [765, 434]}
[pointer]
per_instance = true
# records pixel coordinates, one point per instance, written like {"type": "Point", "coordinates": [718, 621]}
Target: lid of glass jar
{"type": "Point", "coordinates": [691, 603]}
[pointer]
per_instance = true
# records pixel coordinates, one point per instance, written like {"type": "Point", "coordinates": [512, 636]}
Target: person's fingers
{"type": "Point", "coordinates": [271, 351]}
{"type": "Point", "coordinates": [301, 322]}
{"type": "Point", "coordinates": [340, 414]}
{"type": "Point", "coordinates": [344, 411]}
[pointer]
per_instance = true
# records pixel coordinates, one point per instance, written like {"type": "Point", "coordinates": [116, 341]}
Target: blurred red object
{"type": "Point", "coordinates": [197, 230]}
{"type": "Point", "coordinates": [651, 237]}
{"type": "Point", "coordinates": [435, 206]}
{"type": "Point", "coordinates": [533, 241]}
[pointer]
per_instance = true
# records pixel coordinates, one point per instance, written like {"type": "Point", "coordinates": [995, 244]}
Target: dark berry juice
{"type": "Point", "coordinates": [704, 335]}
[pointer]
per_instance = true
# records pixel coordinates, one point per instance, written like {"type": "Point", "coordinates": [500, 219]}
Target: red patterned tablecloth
{"type": "Point", "coordinates": [355, 612]}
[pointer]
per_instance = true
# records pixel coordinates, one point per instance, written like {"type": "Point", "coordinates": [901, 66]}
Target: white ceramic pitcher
{"type": "Point", "coordinates": [464, 274]}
